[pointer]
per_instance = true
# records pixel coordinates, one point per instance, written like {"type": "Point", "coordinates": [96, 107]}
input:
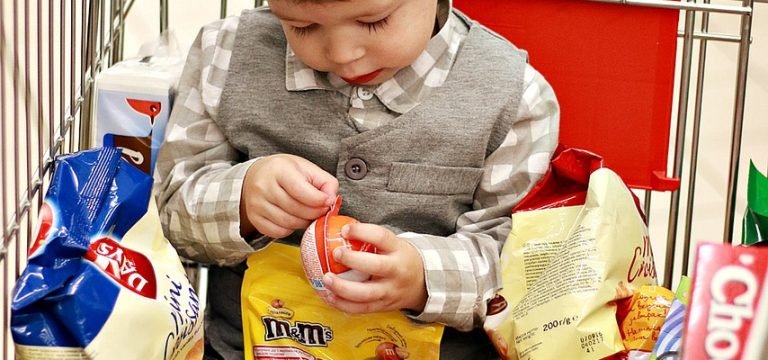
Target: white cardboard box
{"type": "Point", "coordinates": [133, 101]}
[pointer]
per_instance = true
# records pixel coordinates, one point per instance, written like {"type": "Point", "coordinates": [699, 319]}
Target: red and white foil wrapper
{"type": "Point", "coordinates": [728, 312]}
{"type": "Point", "coordinates": [320, 239]}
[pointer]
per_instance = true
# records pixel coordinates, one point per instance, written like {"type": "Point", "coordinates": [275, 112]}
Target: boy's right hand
{"type": "Point", "coordinates": [282, 193]}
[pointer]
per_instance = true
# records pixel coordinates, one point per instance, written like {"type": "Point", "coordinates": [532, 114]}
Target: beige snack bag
{"type": "Point", "coordinates": [563, 269]}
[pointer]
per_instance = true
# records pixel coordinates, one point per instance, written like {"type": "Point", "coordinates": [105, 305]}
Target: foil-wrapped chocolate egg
{"type": "Point", "coordinates": [320, 239]}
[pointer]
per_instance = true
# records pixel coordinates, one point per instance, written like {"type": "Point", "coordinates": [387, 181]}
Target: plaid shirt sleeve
{"type": "Point", "coordinates": [462, 271]}
{"type": "Point", "coordinates": [198, 177]}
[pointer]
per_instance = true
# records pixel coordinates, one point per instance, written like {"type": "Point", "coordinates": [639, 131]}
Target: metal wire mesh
{"type": "Point", "coordinates": [49, 54]}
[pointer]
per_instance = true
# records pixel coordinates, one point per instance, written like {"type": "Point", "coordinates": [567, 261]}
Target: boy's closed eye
{"type": "Point", "coordinates": [373, 26]}
{"type": "Point", "coordinates": [303, 30]}
{"type": "Point", "coordinates": [376, 25]}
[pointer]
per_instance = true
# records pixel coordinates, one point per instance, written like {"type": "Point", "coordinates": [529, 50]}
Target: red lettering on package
{"type": "Point", "coordinates": [44, 226]}
{"type": "Point", "coordinates": [726, 292]}
{"type": "Point", "coordinates": [642, 264]}
{"type": "Point", "coordinates": [129, 268]}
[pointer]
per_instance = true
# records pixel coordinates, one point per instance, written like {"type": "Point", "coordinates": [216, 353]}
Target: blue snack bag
{"type": "Point", "coordinates": [670, 337]}
{"type": "Point", "coordinates": [101, 280]}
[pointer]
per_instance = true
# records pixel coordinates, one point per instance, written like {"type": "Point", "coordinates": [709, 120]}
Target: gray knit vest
{"type": "Point", "coordinates": [420, 170]}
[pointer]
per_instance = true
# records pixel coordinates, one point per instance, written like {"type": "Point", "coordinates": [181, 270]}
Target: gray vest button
{"type": "Point", "coordinates": [356, 168]}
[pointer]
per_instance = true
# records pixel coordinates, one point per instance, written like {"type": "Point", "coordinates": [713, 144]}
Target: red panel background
{"type": "Point", "coordinates": [612, 67]}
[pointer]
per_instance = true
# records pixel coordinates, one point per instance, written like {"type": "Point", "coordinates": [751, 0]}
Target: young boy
{"type": "Point", "coordinates": [430, 126]}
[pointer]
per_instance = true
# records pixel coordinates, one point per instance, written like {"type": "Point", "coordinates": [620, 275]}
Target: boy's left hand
{"type": "Point", "coordinates": [397, 274]}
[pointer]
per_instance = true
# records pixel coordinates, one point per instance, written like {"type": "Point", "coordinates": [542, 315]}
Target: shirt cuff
{"type": "Point", "coordinates": [449, 279]}
{"type": "Point", "coordinates": [237, 247]}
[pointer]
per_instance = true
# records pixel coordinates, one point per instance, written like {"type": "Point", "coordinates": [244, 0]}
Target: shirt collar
{"type": "Point", "coordinates": [410, 85]}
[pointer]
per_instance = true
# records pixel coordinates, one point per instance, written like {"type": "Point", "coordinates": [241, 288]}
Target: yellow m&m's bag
{"type": "Point", "coordinates": [284, 318]}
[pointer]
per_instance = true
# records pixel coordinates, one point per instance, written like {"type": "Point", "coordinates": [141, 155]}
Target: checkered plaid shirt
{"type": "Point", "coordinates": [199, 174]}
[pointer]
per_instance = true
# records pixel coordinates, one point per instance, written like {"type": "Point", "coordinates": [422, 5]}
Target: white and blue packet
{"type": "Point", "coordinates": [102, 282]}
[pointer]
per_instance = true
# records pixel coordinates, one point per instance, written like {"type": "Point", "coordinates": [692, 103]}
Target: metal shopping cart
{"type": "Point", "coordinates": [50, 53]}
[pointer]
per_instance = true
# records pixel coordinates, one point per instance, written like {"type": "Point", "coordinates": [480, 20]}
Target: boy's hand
{"type": "Point", "coordinates": [397, 274]}
{"type": "Point", "coordinates": [282, 193]}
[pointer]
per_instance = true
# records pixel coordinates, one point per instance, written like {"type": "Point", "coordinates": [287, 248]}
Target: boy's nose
{"type": "Point", "coordinates": [342, 48]}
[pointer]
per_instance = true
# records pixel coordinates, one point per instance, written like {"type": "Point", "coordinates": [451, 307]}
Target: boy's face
{"type": "Point", "coordinates": [365, 42]}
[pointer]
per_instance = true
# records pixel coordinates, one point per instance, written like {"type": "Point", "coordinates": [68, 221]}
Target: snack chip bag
{"type": "Point", "coordinates": [283, 318]}
{"type": "Point", "coordinates": [670, 337]}
{"type": "Point", "coordinates": [648, 308]}
{"type": "Point", "coordinates": [101, 281]}
{"type": "Point", "coordinates": [564, 269]}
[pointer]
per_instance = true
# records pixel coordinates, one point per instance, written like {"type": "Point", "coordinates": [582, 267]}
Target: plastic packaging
{"type": "Point", "coordinates": [102, 282]}
{"type": "Point", "coordinates": [283, 318]}
{"type": "Point", "coordinates": [728, 308]}
{"type": "Point", "coordinates": [642, 324]}
{"type": "Point", "coordinates": [563, 272]}
{"type": "Point", "coordinates": [671, 335]}
{"type": "Point", "coordinates": [755, 225]}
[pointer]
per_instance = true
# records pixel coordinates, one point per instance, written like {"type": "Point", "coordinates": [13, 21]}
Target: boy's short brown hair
{"type": "Point", "coordinates": [311, 1]}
